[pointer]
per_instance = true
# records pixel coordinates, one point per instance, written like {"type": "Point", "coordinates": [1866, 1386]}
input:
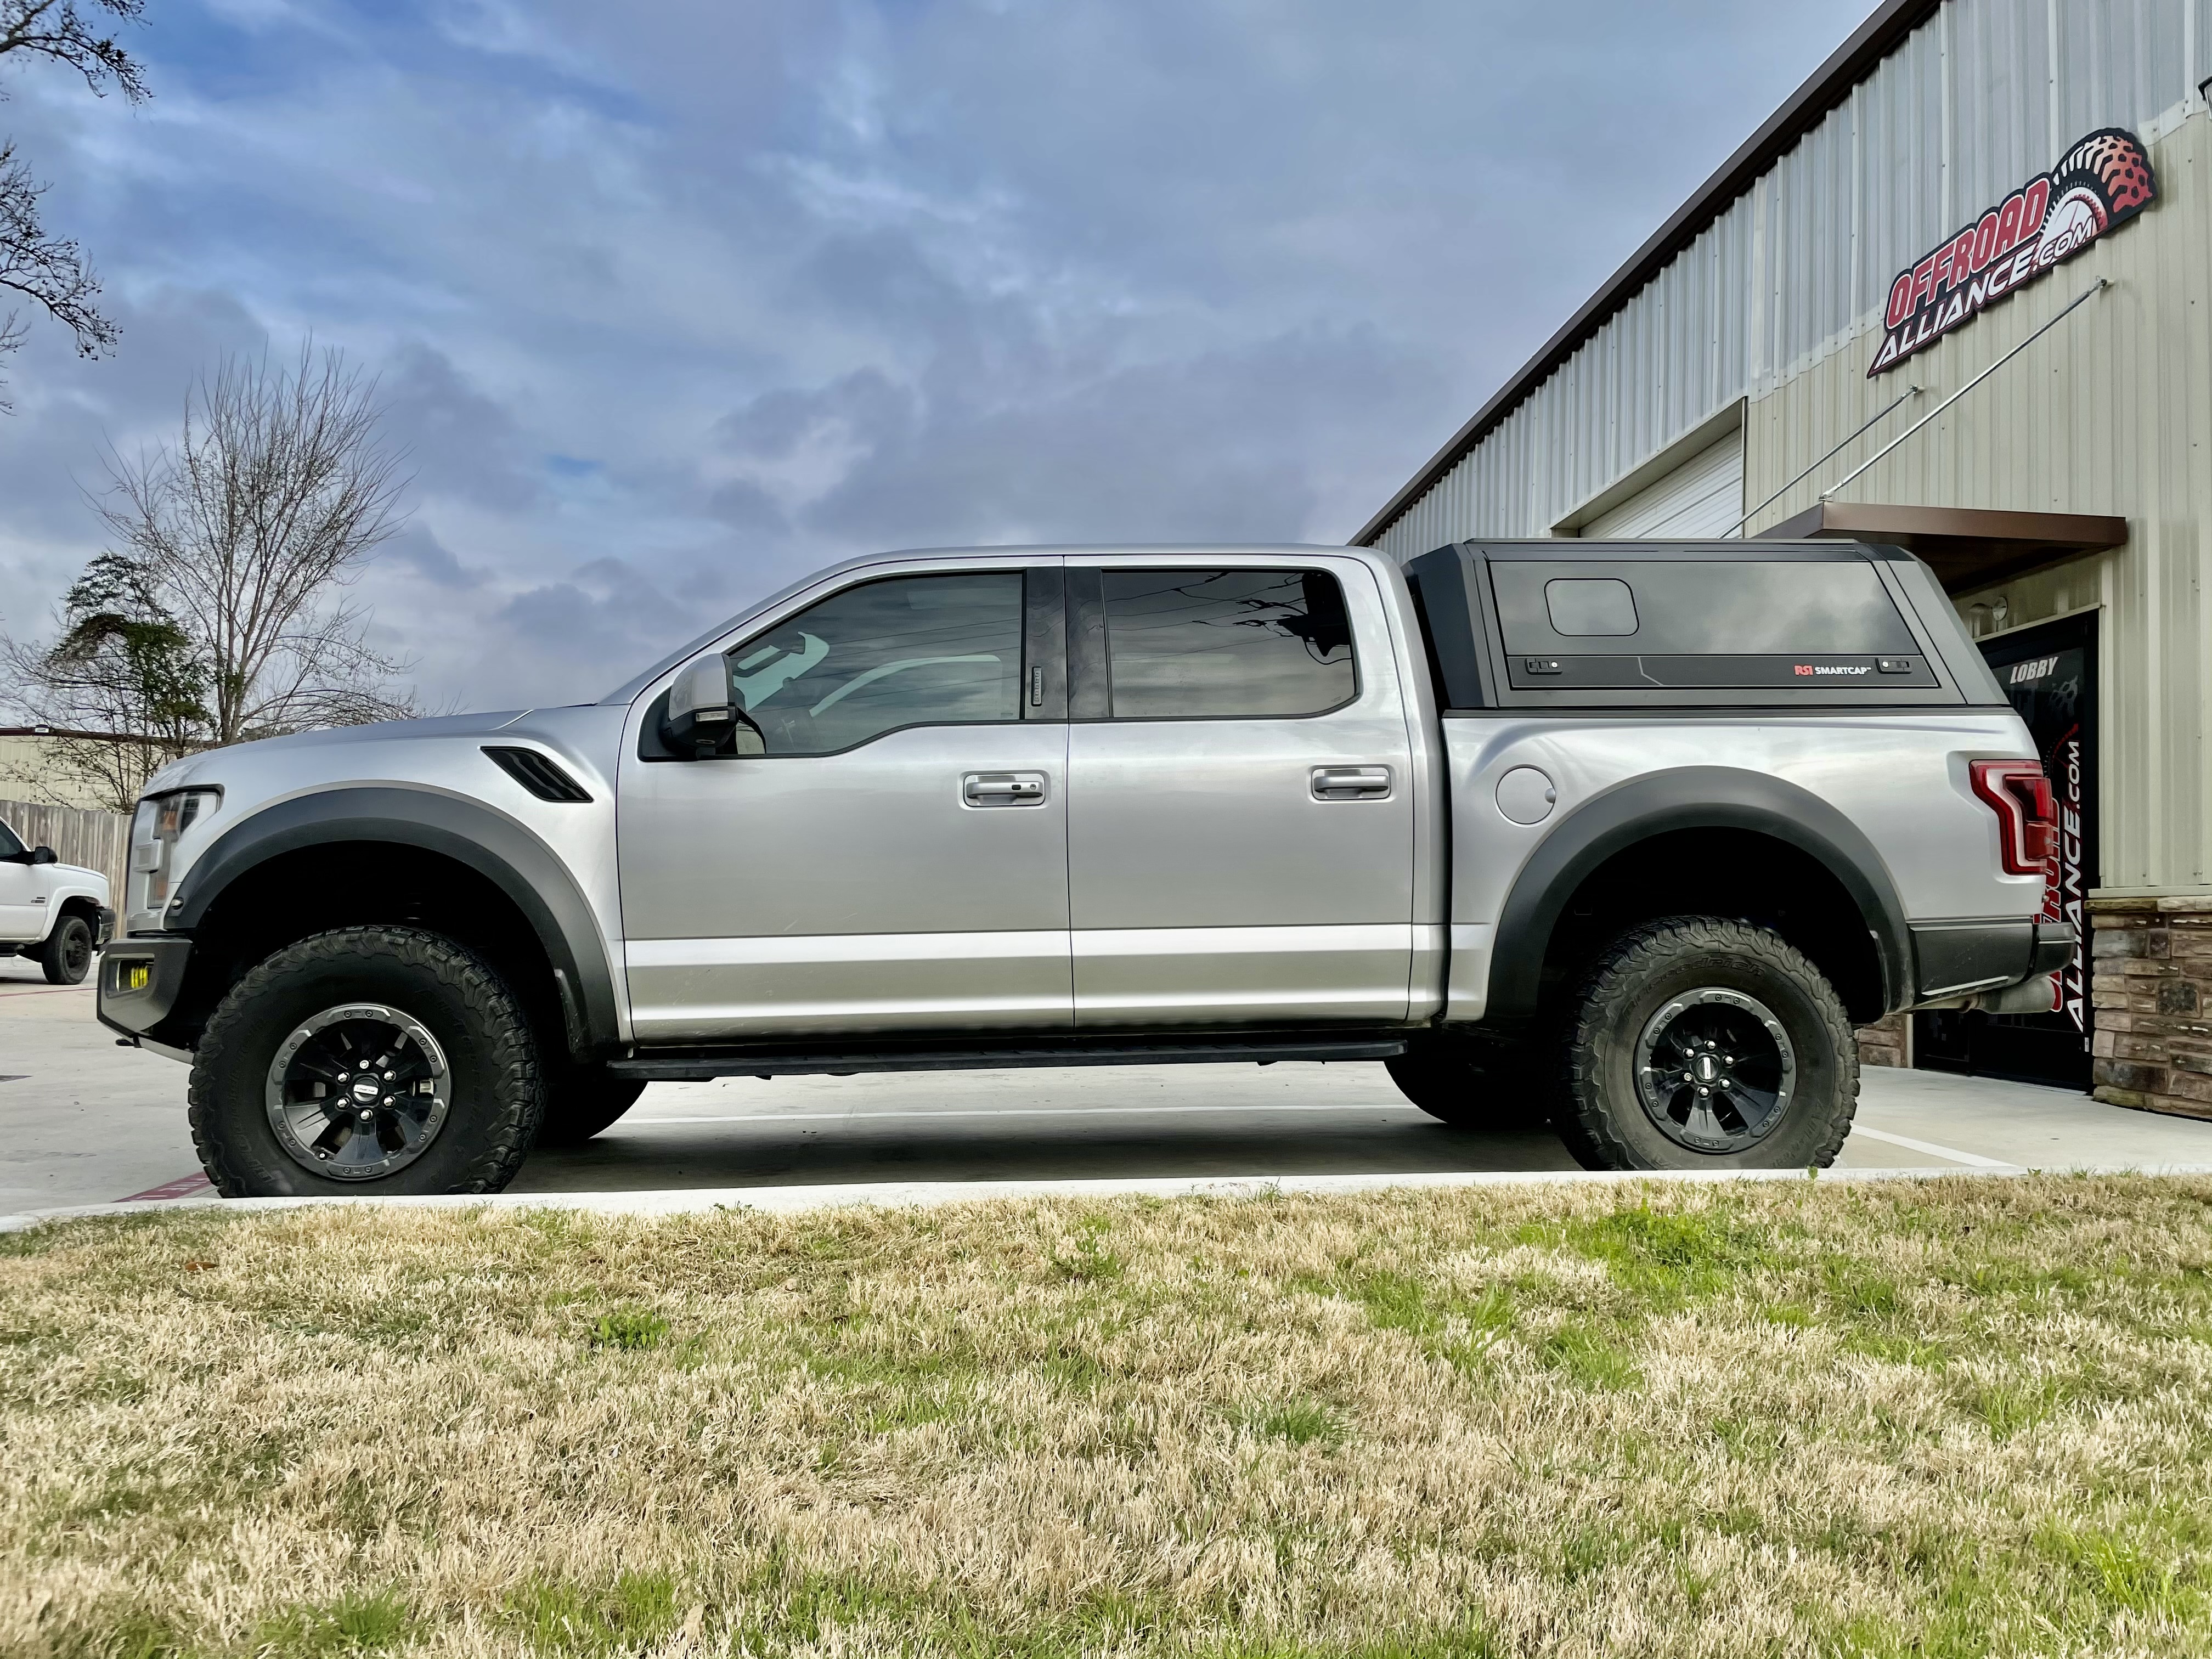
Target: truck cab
{"type": "Point", "coordinates": [1062, 806]}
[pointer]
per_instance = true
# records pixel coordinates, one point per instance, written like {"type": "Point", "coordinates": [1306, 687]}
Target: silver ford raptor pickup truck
{"type": "Point", "coordinates": [1625, 837]}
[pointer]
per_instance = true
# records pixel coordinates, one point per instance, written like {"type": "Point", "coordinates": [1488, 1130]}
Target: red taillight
{"type": "Point", "coordinates": [2028, 818]}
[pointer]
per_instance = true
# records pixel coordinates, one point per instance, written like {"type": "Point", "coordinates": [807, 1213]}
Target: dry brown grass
{"type": "Point", "coordinates": [1963, 1418]}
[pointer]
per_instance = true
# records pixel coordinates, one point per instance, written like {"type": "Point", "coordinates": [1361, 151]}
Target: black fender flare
{"type": "Point", "coordinates": [1689, 798]}
{"type": "Point", "coordinates": [495, 846]}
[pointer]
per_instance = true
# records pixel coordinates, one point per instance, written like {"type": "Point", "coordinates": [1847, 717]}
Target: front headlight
{"type": "Point", "coordinates": [155, 829]}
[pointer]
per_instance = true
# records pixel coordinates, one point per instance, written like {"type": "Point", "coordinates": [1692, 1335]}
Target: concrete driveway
{"type": "Point", "coordinates": [83, 1121]}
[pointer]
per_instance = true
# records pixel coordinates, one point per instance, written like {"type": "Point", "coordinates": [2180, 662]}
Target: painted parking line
{"type": "Point", "coordinates": [183, 1187]}
{"type": "Point", "coordinates": [1021, 1111]}
{"type": "Point", "coordinates": [1972, 1159]}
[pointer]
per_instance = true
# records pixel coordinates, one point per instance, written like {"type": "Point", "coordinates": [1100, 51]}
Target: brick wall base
{"type": "Point", "coordinates": [2150, 984]}
{"type": "Point", "coordinates": [1886, 1042]}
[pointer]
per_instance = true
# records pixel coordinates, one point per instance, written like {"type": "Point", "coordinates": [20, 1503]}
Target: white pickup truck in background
{"type": "Point", "coordinates": [1622, 837]}
{"type": "Point", "coordinates": [56, 913]}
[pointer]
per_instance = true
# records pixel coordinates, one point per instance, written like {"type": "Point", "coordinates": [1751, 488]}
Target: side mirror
{"type": "Point", "coordinates": [44, 855]}
{"type": "Point", "coordinates": [703, 711]}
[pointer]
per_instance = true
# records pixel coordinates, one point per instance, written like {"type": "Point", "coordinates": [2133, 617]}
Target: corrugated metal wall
{"type": "Point", "coordinates": [2111, 413]}
{"type": "Point", "coordinates": [1978, 98]}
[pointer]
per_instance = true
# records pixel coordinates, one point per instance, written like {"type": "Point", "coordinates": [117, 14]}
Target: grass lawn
{"type": "Point", "coordinates": [1960, 1418]}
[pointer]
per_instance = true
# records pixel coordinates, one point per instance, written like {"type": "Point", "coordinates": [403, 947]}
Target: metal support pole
{"type": "Point", "coordinates": [1736, 529]}
{"type": "Point", "coordinates": [2087, 295]}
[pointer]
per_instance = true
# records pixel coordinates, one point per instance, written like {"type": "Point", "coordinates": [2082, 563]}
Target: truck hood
{"type": "Point", "coordinates": [194, 768]}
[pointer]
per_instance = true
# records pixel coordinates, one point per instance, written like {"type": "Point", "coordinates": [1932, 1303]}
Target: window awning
{"type": "Point", "coordinates": [1967, 547]}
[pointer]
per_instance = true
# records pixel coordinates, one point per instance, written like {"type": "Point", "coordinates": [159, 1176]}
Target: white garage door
{"type": "Point", "coordinates": [1704, 497]}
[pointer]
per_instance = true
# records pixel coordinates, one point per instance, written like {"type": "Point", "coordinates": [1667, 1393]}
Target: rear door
{"type": "Point", "coordinates": [1241, 802]}
{"type": "Point", "coordinates": [897, 861]}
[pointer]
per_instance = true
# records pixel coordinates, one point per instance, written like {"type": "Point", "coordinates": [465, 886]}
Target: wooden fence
{"type": "Point", "coordinates": [78, 834]}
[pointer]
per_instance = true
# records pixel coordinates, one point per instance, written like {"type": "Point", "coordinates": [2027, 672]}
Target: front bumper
{"type": "Point", "coordinates": [140, 980]}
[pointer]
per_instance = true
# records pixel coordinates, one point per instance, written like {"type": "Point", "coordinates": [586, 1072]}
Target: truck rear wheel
{"type": "Point", "coordinates": [362, 1062]}
{"type": "Point", "coordinates": [1700, 1044]}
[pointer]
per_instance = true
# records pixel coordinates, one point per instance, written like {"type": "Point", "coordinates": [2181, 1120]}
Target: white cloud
{"type": "Point", "coordinates": [673, 302]}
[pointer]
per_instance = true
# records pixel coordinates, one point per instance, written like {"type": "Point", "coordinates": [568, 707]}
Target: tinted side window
{"type": "Point", "coordinates": [1226, 644]}
{"type": "Point", "coordinates": [1692, 607]}
{"type": "Point", "coordinates": [909, 651]}
{"type": "Point", "coordinates": [9, 845]}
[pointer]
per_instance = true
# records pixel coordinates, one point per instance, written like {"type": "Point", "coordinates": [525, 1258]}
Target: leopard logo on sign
{"type": "Point", "coordinates": [2101, 183]}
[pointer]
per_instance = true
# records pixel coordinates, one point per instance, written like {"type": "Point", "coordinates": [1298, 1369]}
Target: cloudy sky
{"type": "Point", "coordinates": [672, 301]}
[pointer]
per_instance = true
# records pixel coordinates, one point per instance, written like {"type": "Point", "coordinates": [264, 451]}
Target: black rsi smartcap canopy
{"type": "Point", "coordinates": [1693, 624]}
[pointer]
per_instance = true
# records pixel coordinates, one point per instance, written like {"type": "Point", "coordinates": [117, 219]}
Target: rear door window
{"type": "Point", "coordinates": [1694, 622]}
{"type": "Point", "coordinates": [1226, 644]}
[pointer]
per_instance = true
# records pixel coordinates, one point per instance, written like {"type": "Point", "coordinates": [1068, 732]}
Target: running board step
{"type": "Point", "coordinates": [696, 1067]}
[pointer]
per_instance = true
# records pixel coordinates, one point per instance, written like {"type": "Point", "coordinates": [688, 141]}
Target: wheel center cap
{"type": "Point", "coordinates": [364, 1090]}
{"type": "Point", "coordinates": [1704, 1067]}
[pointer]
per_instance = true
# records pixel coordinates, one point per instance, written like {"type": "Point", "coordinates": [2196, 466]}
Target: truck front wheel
{"type": "Point", "coordinates": [66, 957]}
{"type": "Point", "coordinates": [366, 1061]}
{"type": "Point", "coordinates": [1700, 1044]}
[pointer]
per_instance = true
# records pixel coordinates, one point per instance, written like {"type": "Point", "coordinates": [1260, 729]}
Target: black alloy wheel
{"type": "Point", "coordinates": [1697, 1042]}
{"type": "Point", "coordinates": [358, 1091]}
{"type": "Point", "coordinates": [364, 1061]}
{"type": "Point", "coordinates": [1715, 1070]}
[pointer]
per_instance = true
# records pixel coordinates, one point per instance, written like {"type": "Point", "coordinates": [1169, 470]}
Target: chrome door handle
{"type": "Point", "coordinates": [1352, 783]}
{"type": "Point", "coordinates": [1003, 789]}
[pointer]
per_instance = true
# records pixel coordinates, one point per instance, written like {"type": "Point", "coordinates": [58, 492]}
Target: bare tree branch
{"type": "Point", "coordinates": [219, 612]}
{"type": "Point", "coordinates": [275, 496]}
{"type": "Point", "coordinates": [55, 29]}
{"type": "Point", "coordinates": [52, 270]}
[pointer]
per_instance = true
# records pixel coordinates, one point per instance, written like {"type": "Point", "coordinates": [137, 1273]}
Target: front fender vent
{"type": "Point", "coordinates": [539, 773]}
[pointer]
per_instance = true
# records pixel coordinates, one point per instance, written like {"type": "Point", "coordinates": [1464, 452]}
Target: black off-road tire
{"type": "Point", "coordinates": [1601, 1118]}
{"type": "Point", "coordinates": [582, 1100]}
{"type": "Point", "coordinates": [1470, 1085]}
{"type": "Point", "coordinates": [66, 957]}
{"type": "Point", "coordinates": [497, 1094]}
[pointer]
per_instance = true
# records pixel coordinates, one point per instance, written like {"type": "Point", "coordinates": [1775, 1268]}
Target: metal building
{"type": "Point", "coordinates": [2014, 189]}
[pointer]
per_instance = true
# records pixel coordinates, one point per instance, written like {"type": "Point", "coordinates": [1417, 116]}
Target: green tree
{"type": "Point", "coordinates": [121, 688]}
{"type": "Point", "coordinates": [219, 612]}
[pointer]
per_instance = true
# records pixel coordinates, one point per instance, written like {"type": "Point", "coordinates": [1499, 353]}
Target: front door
{"type": "Point", "coordinates": [897, 860]}
{"type": "Point", "coordinates": [1241, 796]}
{"type": "Point", "coordinates": [21, 883]}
